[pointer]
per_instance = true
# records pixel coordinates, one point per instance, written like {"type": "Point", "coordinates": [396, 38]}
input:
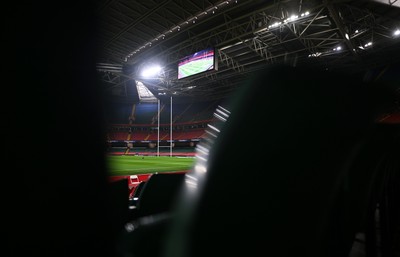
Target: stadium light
{"type": "Point", "coordinates": [151, 71]}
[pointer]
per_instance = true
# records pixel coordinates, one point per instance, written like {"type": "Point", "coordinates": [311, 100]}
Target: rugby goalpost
{"type": "Point", "coordinates": [158, 129]}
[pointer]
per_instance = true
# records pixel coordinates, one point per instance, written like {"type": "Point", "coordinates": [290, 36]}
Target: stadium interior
{"type": "Point", "coordinates": [290, 109]}
{"type": "Point", "coordinates": [347, 38]}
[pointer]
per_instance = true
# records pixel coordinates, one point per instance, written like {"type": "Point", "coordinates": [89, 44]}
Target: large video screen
{"type": "Point", "coordinates": [196, 63]}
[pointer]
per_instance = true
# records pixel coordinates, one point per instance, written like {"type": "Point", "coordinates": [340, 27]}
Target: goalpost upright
{"type": "Point", "coordinates": [170, 131]}
{"type": "Point", "coordinates": [158, 129]}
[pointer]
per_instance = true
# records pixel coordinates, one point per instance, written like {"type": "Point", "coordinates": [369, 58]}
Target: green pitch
{"type": "Point", "coordinates": [130, 165]}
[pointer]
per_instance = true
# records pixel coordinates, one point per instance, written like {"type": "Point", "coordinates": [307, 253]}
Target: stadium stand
{"type": "Point", "coordinates": [185, 135]}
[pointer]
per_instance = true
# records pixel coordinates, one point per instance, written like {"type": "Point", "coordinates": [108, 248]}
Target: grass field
{"type": "Point", "coordinates": [130, 165]}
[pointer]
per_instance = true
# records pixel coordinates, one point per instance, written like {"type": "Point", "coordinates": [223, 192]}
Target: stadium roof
{"type": "Point", "coordinates": [247, 35]}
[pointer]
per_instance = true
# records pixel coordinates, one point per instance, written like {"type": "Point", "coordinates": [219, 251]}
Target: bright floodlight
{"type": "Point", "coordinates": [397, 32]}
{"type": "Point", "coordinates": [151, 71]}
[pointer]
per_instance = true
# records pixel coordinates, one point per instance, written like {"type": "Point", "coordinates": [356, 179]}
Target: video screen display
{"type": "Point", "coordinates": [196, 63]}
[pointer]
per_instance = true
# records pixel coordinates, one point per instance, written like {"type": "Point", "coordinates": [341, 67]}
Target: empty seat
{"type": "Point", "coordinates": [136, 193]}
{"type": "Point", "coordinates": [158, 194]}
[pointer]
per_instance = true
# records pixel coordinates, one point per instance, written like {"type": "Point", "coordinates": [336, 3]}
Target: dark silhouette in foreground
{"type": "Point", "coordinates": [322, 168]}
